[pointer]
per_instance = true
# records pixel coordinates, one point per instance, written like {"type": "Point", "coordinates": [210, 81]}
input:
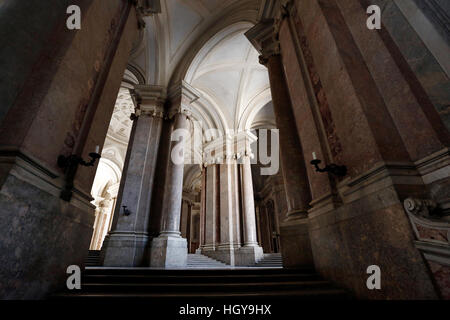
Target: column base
{"type": "Point", "coordinates": [225, 254]}
{"type": "Point", "coordinates": [125, 249]}
{"type": "Point", "coordinates": [168, 252]}
{"type": "Point", "coordinates": [296, 215]}
{"type": "Point", "coordinates": [248, 255]}
{"type": "Point", "coordinates": [296, 244]}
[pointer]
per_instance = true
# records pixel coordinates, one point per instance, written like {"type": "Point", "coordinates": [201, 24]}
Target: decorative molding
{"type": "Point", "coordinates": [145, 8]}
{"type": "Point", "coordinates": [433, 235]}
{"type": "Point", "coordinates": [263, 37]}
{"type": "Point", "coordinates": [120, 124]}
{"type": "Point", "coordinates": [229, 148]}
{"type": "Point", "coordinates": [29, 170]}
{"type": "Point", "coordinates": [181, 97]}
{"type": "Point", "coordinates": [419, 207]}
{"type": "Point", "coordinates": [434, 167]}
{"type": "Point", "coordinates": [150, 100]}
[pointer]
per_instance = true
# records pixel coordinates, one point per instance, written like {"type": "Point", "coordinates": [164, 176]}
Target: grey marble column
{"type": "Point", "coordinates": [169, 249]}
{"type": "Point", "coordinates": [227, 223]}
{"type": "Point", "coordinates": [211, 207]}
{"type": "Point", "coordinates": [127, 243]}
{"type": "Point", "coordinates": [251, 252]}
{"type": "Point", "coordinates": [250, 239]}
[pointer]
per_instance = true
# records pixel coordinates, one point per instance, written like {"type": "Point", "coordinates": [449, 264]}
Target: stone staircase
{"type": "Point", "coordinates": [199, 261]}
{"type": "Point", "coordinates": [93, 259]}
{"type": "Point", "coordinates": [270, 260]}
{"type": "Point", "coordinates": [239, 285]}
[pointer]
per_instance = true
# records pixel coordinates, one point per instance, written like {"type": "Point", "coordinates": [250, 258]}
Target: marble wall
{"type": "Point", "coordinates": [64, 90]}
{"type": "Point", "coordinates": [357, 103]}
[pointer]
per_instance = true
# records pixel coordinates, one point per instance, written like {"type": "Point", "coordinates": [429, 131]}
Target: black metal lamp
{"type": "Point", "coordinates": [66, 162]}
{"type": "Point", "coordinates": [337, 170]}
{"type": "Point", "coordinates": [70, 165]}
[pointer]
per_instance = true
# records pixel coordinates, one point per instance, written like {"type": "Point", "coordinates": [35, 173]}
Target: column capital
{"type": "Point", "coordinates": [150, 100]}
{"type": "Point", "coordinates": [145, 8]}
{"type": "Point", "coordinates": [229, 148]}
{"type": "Point", "coordinates": [264, 37]}
{"type": "Point", "coordinates": [181, 96]}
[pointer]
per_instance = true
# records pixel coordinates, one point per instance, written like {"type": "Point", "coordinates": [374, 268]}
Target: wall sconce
{"type": "Point", "coordinates": [66, 162]}
{"type": "Point", "coordinates": [126, 212]}
{"type": "Point", "coordinates": [70, 165]}
{"type": "Point", "coordinates": [340, 171]}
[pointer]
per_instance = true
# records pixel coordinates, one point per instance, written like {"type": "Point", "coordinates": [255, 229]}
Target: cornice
{"type": "Point", "coordinates": [181, 96]}
{"type": "Point", "coordinates": [264, 38]}
{"type": "Point", "coordinates": [145, 8]}
{"type": "Point", "coordinates": [150, 100]}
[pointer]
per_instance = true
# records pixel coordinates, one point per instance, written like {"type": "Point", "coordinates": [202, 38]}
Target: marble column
{"type": "Point", "coordinates": [227, 218]}
{"type": "Point", "coordinates": [211, 208]}
{"type": "Point", "coordinates": [250, 252]}
{"type": "Point", "coordinates": [184, 218]}
{"type": "Point", "coordinates": [127, 243]}
{"type": "Point", "coordinates": [295, 176]}
{"type": "Point", "coordinates": [202, 213]}
{"type": "Point", "coordinates": [294, 171]}
{"type": "Point", "coordinates": [169, 249]}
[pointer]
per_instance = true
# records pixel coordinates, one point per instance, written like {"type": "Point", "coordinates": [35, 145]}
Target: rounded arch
{"type": "Point", "coordinates": [108, 172]}
{"type": "Point", "coordinates": [243, 11]}
{"type": "Point", "coordinates": [223, 34]}
{"type": "Point", "coordinates": [252, 109]}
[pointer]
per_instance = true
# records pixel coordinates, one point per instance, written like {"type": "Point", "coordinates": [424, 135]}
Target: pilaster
{"type": "Point", "coordinates": [127, 243]}
{"type": "Point", "coordinates": [169, 249]}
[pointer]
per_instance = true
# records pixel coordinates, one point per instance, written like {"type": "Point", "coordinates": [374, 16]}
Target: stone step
{"type": "Point", "coordinates": [93, 258]}
{"type": "Point", "coordinates": [213, 278]}
{"type": "Point", "coordinates": [145, 283]}
{"type": "Point", "coordinates": [323, 294]}
{"type": "Point", "coordinates": [206, 288]}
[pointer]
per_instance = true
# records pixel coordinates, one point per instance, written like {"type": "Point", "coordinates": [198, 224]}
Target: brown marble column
{"type": "Point", "coordinates": [298, 195]}
{"type": "Point", "coordinates": [295, 176]}
{"type": "Point", "coordinates": [169, 249]}
{"type": "Point", "coordinates": [184, 218]}
{"type": "Point", "coordinates": [127, 243]}
{"type": "Point", "coordinates": [202, 213]}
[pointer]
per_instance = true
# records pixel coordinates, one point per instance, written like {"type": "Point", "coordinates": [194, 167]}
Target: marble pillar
{"type": "Point", "coordinates": [211, 209]}
{"type": "Point", "coordinates": [294, 228]}
{"type": "Point", "coordinates": [250, 252]}
{"type": "Point", "coordinates": [127, 243]}
{"type": "Point", "coordinates": [295, 176]}
{"type": "Point", "coordinates": [50, 107]}
{"type": "Point", "coordinates": [202, 213]}
{"type": "Point", "coordinates": [169, 249]}
{"type": "Point", "coordinates": [184, 218]}
{"type": "Point", "coordinates": [227, 220]}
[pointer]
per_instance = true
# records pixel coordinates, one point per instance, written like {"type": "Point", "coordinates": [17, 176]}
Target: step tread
{"type": "Point", "coordinates": [250, 284]}
{"type": "Point", "coordinates": [304, 293]}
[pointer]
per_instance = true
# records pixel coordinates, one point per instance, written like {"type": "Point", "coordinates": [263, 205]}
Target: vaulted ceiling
{"type": "Point", "coordinates": [203, 43]}
{"type": "Point", "coordinates": [227, 73]}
